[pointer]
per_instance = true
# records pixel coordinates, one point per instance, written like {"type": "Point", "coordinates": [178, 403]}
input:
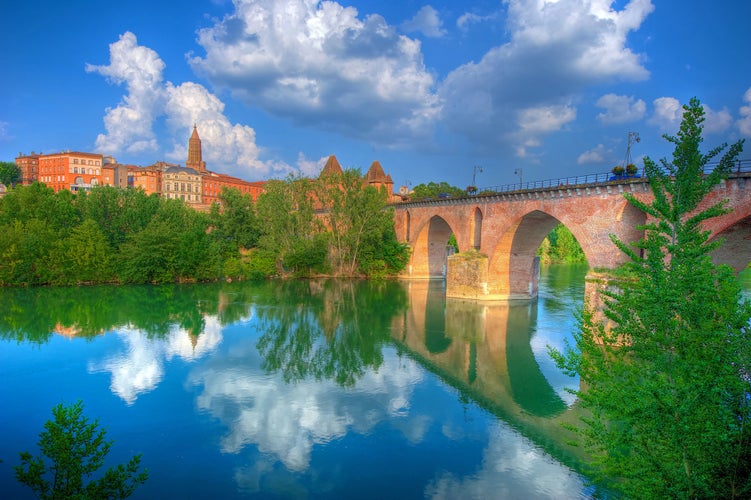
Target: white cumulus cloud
{"type": "Point", "coordinates": [620, 109]}
{"type": "Point", "coordinates": [667, 114]}
{"type": "Point", "coordinates": [426, 21]}
{"type": "Point", "coordinates": [716, 122]}
{"type": "Point", "coordinates": [129, 124]}
{"type": "Point", "coordinates": [573, 43]}
{"type": "Point", "coordinates": [597, 154]}
{"type": "Point", "coordinates": [319, 64]}
{"type": "Point", "coordinates": [227, 148]}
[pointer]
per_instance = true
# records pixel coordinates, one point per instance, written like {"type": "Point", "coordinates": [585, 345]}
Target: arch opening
{"type": "Point", "coordinates": [476, 228]}
{"type": "Point", "coordinates": [431, 249]}
{"type": "Point", "coordinates": [515, 266]}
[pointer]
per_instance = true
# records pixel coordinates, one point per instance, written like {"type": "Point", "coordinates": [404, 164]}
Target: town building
{"type": "Point", "coordinates": [115, 174]}
{"type": "Point", "coordinates": [193, 183]}
{"type": "Point", "coordinates": [71, 170]}
{"type": "Point", "coordinates": [183, 183]}
{"type": "Point", "coordinates": [147, 178]}
{"type": "Point", "coordinates": [214, 182]}
{"type": "Point", "coordinates": [29, 165]}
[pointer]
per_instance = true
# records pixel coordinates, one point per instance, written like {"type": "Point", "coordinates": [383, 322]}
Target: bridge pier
{"type": "Point", "coordinates": [467, 277]}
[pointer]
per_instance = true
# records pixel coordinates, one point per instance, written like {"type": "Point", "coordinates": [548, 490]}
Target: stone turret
{"type": "Point", "coordinates": [377, 178]}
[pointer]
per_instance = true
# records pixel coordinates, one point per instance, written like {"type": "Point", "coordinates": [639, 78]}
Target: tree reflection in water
{"type": "Point", "coordinates": [335, 330]}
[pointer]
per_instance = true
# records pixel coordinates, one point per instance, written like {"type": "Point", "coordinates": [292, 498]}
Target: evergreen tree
{"type": "Point", "coordinates": [667, 383]}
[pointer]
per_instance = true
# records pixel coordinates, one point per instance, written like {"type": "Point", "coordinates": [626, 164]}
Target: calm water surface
{"type": "Point", "coordinates": [301, 389]}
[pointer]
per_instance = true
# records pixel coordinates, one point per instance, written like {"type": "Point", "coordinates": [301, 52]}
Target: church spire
{"type": "Point", "coordinates": [195, 158]}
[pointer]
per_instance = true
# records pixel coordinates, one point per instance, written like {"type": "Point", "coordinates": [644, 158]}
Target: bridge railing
{"type": "Point", "coordinates": [741, 166]}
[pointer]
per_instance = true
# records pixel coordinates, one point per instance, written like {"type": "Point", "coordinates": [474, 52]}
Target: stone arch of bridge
{"type": "Point", "coordinates": [513, 267]}
{"type": "Point", "coordinates": [429, 247]}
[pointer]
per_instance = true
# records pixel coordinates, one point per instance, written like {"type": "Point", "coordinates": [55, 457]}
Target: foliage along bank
{"type": "Point", "coordinates": [665, 373]}
{"type": "Point", "coordinates": [113, 235]}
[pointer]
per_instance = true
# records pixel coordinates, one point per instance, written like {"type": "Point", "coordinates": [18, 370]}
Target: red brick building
{"type": "Point", "coordinates": [71, 170]}
{"type": "Point", "coordinates": [29, 165]}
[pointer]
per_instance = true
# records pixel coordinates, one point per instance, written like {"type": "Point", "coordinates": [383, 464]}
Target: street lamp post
{"type": "Point", "coordinates": [478, 168]}
{"type": "Point", "coordinates": [518, 172]}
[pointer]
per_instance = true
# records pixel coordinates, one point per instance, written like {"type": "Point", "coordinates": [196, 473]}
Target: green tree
{"type": "Point", "coordinates": [433, 189]}
{"type": "Point", "coordinates": [82, 257]}
{"type": "Point", "coordinates": [667, 384]}
{"type": "Point", "coordinates": [76, 449]}
{"type": "Point", "coordinates": [286, 207]}
{"type": "Point", "coordinates": [234, 219]}
{"type": "Point", "coordinates": [10, 173]}
{"type": "Point", "coordinates": [119, 213]}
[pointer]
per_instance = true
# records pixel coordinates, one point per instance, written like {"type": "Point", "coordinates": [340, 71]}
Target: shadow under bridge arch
{"type": "Point", "coordinates": [431, 249]}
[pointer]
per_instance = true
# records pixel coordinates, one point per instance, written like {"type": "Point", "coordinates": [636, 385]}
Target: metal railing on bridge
{"type": "Point", "coordinates": [741, 166]}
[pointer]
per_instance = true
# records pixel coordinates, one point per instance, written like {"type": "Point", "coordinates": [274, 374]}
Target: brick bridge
{"type": "Point", "coordinates": [508, 227]}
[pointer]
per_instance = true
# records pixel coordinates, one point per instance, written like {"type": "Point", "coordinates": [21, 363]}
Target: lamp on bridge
{"type": "Point", "coordinates": [472, 189]}
{"type": "Point", "coordinates": [518, 171]}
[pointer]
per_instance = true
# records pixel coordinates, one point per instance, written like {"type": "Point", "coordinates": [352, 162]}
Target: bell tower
{"type": "Point", "coordinates": [195, 159]}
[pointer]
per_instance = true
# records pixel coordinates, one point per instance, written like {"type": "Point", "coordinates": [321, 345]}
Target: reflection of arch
{"type": "Point", "coordinates": [476, 228]}
{"type": "Point", "coordinates": [529, 387]}
{"type": "Point", "coordinates": [429, 252]}
{"type": "Point", "coordinates": [436, 340]}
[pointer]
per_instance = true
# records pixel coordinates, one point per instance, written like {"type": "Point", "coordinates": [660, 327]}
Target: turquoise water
{"type": "Point", "coordinates": [325, 389]}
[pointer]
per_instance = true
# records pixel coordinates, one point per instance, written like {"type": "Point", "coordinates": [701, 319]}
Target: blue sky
{"type": "Point", "coordinates": [431, 90]}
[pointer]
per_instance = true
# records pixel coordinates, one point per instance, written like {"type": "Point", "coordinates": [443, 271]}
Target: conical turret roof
{"type": "Point", "coordinates": [332, 167]}
{"type": "Point", "coordinates": [376, 173]}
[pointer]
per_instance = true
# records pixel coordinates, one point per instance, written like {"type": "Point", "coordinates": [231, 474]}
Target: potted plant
{"type": "Point", "coordinates": [471, 189]}
{"type": "Point", "coordinates": [631, 170]}
{"type": "Point", "coordinates": [618, 170]}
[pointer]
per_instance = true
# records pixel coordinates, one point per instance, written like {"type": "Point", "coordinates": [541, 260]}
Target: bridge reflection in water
{"type": "Point", "coordinates": [484, 350]}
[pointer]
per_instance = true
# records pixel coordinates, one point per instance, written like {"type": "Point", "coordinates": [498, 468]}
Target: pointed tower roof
{"type": "Point", "coordinates": [375, 173]}
{"type": "Point", "coordinates": [332, 167]}
{"type": "Point", "coordinates": [195, 155]}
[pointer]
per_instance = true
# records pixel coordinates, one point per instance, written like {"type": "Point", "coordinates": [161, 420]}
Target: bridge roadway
{"type": "Point", "coordinates": [506, 229]}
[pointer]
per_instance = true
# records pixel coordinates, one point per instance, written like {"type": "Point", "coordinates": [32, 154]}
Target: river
{"type": "Point", "coordinates": [302, 389]}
